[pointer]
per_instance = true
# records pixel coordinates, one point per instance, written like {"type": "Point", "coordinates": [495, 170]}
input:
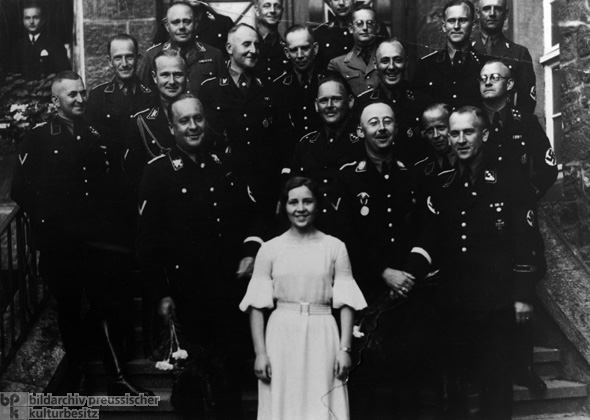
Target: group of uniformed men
{"type": "Point", "coordinates": [432, 184]}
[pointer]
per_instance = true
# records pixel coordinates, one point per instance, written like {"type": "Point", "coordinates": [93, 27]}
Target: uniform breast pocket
{"type": "Point", "coordinates": [352, 75]}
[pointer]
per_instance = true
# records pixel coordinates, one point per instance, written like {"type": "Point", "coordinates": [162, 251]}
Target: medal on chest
{"type": "Point", "coordinates": [364, 201]}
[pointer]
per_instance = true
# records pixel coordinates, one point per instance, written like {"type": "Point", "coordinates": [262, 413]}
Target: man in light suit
{"type": "Point", "coordinates": [358, 66]}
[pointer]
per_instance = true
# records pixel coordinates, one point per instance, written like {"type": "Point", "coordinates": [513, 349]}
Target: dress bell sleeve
{"type": "Point", "coordinates": [259, 294]}
{"type": "Point", "coordinates": [345, 291]}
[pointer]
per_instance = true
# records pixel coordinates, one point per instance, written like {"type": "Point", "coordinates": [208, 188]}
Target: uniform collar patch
{"type": "Point", "coordinates": [353, 137]}
{"type": "Point", "coordinates": [224, 81]}
{"type": "Point", "coordinates": [93, 131]}
{"type": "Point", "coordinates": [490, 176]}
{"type": "Point", "coordinates": [258, 81]}
{"type": "Point", "coordinates": [288, 80]}
{"type": "Point", "coordinates": [110, 88]}
{"type": "Point", "coordinates": [362, 166]}
{"type": "Point", "coordinates": [429, 168]}
{"type": "Point", "coordinates": [55, 129]}
{"type": "Point", "coordinates": [177, 163]}
{"type": "Point", "coordinates": [450, 179]}
{"type": "Point", "coordinates": [153, 113]}
{"type": "Point", "coordinates": [144, 88]}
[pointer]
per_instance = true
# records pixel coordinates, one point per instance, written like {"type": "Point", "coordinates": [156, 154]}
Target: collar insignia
{"type": "Point", "coordinates": [177, 164]}
{"type": "Point", "coordinates": [144, 88]}
{"type": "Point", "coordinates": [93, 131]}
{"type": "Point", "coordinates": [110, 88]}
{"type": "Point", "coordinates": [153, 113]}
{"type": "Point", "coordinates": [490, 176]}
{"type": "Point", "coordinates": [223, 81]}
{"type": "Point", "coordinates": [362, 166]}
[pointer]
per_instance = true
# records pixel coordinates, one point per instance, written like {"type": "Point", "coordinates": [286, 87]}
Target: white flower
{"type": "Point", "coordinates": [19, 116]}
{"type": "Point", "coordinates": [18, 107]}
{"type": "Point", "coordinates": [180, 354]}
{"type": "Point", "coordinates": [164, 365]}
{"type": "Point", "coordinates": [356, 331]}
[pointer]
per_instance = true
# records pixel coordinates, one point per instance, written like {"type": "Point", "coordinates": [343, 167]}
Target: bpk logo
{"type": "Point", "coordinates": [14, 405]}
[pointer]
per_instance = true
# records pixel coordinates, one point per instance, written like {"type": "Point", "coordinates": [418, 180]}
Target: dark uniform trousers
{"type": "Point", "coordinates": [375, 214]}
{"type": "Point", "coordinates": [520, 62]}
{"type": "Point", "coordinates": [194, 219]}
{"type": "Point", "coordinates": [211, 28]}
{"type": "Point", "coordinates": [202, 62]}
{"type": "Point", "coordinates": [46, 56]}
{"type": "Point", "coordinates": [246, 123]}
{"type": "Point", "coordinates": [294, 108]}
{"type": "Point", "coordinates": [320, 155]}
{"type": "Point", "coordinates": [455, 85]}
{"type": "Point", "coordinates": [408, 106]}
{"type": "Point", "coordinates": [482, 236]}
{"type": "Point", "coordinates": [67, 185]}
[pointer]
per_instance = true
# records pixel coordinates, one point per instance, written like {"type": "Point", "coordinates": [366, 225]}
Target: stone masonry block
{"type": "Point", "coordinates": [119, 9]}
{"type": "Point", "coordinates": [96, 36]}
{"type": "Point", "coordinates": [584, 41]}
{"type": "Point", "coordinates": [97, 71]}
{"type": "Point", "coordinates": [143, 31]}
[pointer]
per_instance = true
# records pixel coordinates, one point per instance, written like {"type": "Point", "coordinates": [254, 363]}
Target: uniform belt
{"type": "Point", "coordinates": [306, 308]}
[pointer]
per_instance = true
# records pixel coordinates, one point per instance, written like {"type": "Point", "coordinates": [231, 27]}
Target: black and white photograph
{"type": "Point", "coordinates": [295, 209]}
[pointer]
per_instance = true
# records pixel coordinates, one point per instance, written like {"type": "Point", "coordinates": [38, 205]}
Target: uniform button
{"type": "Point", "coordinates": [305, 128]}
{"type": "Point", "coordinates": [454, 96]}
{"type": "Point", "coordinates": [463, 237]}
{"type": "Point", "coordinates": [462, 213]}
{"type": "Point", "coordinates": [463, 249]}
{"type": "Point", "coordinates": [108, 115]}
{"type": "Point", "coordinates": [394, 101]}
{"type": "Point", "coordinates": [304, 118]}
{"type": "Point", "coordinates": [177, 267]}
{"type": "Point", "coordinates": [78, 138]}
{"type": "Point", "coordinates": [245, 115]}
{"type": "Point", "coordinates": [430, 84]}
{"type": "Point", "coordinates": [324, 211]}
{"type": "Point", "coordinates": [325, 181]}
{"type": "Point", "coordinates": [389, 210]}
{"type": "Point", "coordinates": [153, 141]}
{"type": "Point", "coordinates": [466, 184]}
{"type": "Point", "coordinates": [84, 168]}
{"type": "Point", "coordinates": [496, 129]}
{"type": "Point", "coordinates": [454, 83]}
{"type": "Point", "coordinates": [463, 224]}
{"type": "Point", "coordinates": [248, 143]}
{"type": "Point", "coordinates": [218, 108]}
{"type": "Point", "coordinates": [219, 35]}
{"type": "Point", "coordinates": [184, 190]}
{"type": "Point", "coordinates": [211, 189]}
{"type": "Point", "coordinates": [304, 108]}
{"type": "Point", "coordinates": [391, 225]}
{"type": "Point", "coordinates": [386, 176]}
{"type": "Point", "coordinates": [499, 145]}
{"type": "Point", "coordinates": [202, 165]}
{"type": "Point", "coordinates": [218, 220]}
{"type": "Point", "coordinates": [499, 209]}
{"type": "Point", "coordinates": [500, 158]}
{"type": "Point", "coordinates": [86, 181]}
{"type": "Point", "coordinates": [86, 194]}
{"type": "Point", "coordinates": [247, 128]}
{"type": "Point", "coordinates": [522, 143]}
{"type": "Point", "coordinates": [325, 194]}
{"type": "Point", "coordinates": [327, 44]}
{"type": "Point", "coordinates": [55, 151]}
{"type": "Point", "coordinates": [388, 195]}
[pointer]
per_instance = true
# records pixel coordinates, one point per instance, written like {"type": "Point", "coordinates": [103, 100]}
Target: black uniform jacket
{"type": "Point", "coordinates": [453, 85]}
{"type": "Point", "coordinates": [521, 143]}
{"type": "Point", "coordinates": [202, 62]}
{"type": "Point", "coordinates": [272, 61]}
{"type": "Point", "coordinates": [408, 106]}
{"type": "Point", "coordinates": [47, 56]}
{"type": "Point", "coordinates": [67, 184]}
{"type": "Point", "coordinates": [374, 214]}
{"type": "Point", "coordinates": [482, 236]}
{"type": "Point", "coordinates": [194, 218]}
{"type": "Point", "coordinates": [520, 62]}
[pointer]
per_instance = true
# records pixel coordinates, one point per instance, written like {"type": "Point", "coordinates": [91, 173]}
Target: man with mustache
{"type": "Point", "coordinates": [493, 43]}
{"type": "Point", "coordinates": [196, 234]}
{"type": "Point", "coordinates": [407, 104]}
{"type": "Point", "coordinates": [202, 61]}
{"type": "Point", "coordinates": [450, 74]}
{"type": "Point", "coordinates": [518, 141]}
{"type": "Point", "coordinates": [295, 91]}
{"type": "Point", "coordinates": [66, 182]}
{"type": "Point", "coordinates": [375, 216]}
{"type": "Point", "coordinates": [271, 61]}
{"type": "Point", "coordinates": [239, 107]}
{"type": "Point", "coordinates": [482, 235]}
{"type": "Point", "coordinates": [358, 66]}
{"type": "Point", "coordinates": [112, 104]}
{"type": "Point", "coordinates": [210, 27]}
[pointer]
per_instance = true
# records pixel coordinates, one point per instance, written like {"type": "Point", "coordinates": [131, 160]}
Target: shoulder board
{"type": "Point", "coordinates": [348, 164]}
{"type": "Point", "coordinates": [473, 43]}
{"type": "Point", "coordinates": [155, 159]}
{"type": "Point", "coordinates": [210, 15]}
{"type": "Point", "coordinates": [429, 55]}
{"type": "Point", "coordinates": [144, 88]}
{"type": "Point", "coordinates": [410, 94]}
{"type": "Point", "coordinates": [365, 92]}
{"type": "Point", "coordinates": [200, 47]}
{"type": "Point", "coordinates": [101, 85]}
{"type": "Point", "coordinates": [154, 46]}
{"type": "Point", "coordinates": [110, 88]}
{"type": "Point", "coordinates": [41, 124]}
{"type": "Point", "coordinates": [207, 80]}
{"type": "Point", "coordinates": [451, 176]}
{"type": "Point", "coordinates": [327, 24]}
{"type": "Point", "coordinates": [475, 56]}
{"type": "Point", "coordinates": [353, 137]}
{"type": "Point", "coordinates": [310, 135]}
{"type": "Point", "coordinates": [421, 161]}
{"type": "Point", "coordinates": [258, 81]}
{"type": "Point", "coordinates": [448, 171]}
{"type": "Point", "coordinates": [140, 112]}
{"type": "Point", "coordinates": [516, 114]}
{"type": "Point", "coordinates": [282, 42]}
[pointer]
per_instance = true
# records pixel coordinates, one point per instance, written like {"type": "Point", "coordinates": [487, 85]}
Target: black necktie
{"type": "Point", "coordinates": [385, 168]}
{"type": "Point", "coordinates": [366, 55]}
{"type": "Point", "coordinates": [243, 84]}
{"type": "Point", "coordinates": [446, 163]}
{"type": "Point", "coordinates": [488, 45]}
{"type": "Point", "coordinates": [497, 120]}
{"type": "Point", "coordinates": [457, 59]}
{"type": "Point", "coordinates": [466, 177]}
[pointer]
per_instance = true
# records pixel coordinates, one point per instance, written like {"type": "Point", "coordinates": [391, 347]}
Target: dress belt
{"type": "Point", "coordinates": [306, 308]}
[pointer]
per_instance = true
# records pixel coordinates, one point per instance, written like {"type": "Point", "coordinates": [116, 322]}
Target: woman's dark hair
{"type": "Point", "coordinates": [296, 182]}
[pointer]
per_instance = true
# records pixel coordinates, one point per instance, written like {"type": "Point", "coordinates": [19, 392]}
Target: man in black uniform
{"type": "Point", "coordinates": [112, 104]}
{"type": "Point", "coordinates": [294, 92]}
{"type": "Point", "coordinates": [320, 154]}
{"type": "Point", "coordinates": [210, 27]}
{"type": "Point", "coordinates": [239, 108]}
{"type": "Point", "coordinates": [493, 43]}
{"type": "Point", "coordinates": [450, 75]}
{"type": "Point", "coordinates": [38, 55]}
{"type": "Point", "coordinates": [149, 133]}
{"type": "Point", "coordinates": [196, 221]}
{"type": "Point", "coordinates": [272, 61]}
{"type": "Point", "coordinates": [334, 37]}
{"type": "Point", "coordinates": [482, 236]}
{"type": "Point", "coordinates": [408, 105]}
{"type": "Point", "coordinates": [375, 213]}
{"type": "Point", "coordinates": [519, 142]}
{"type": "Point", "coordinates": [202, 61]}
{"type": "Point", "coordinates": [65, 182]}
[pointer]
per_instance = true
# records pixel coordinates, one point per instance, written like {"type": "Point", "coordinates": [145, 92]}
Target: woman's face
{"type": "Point", "coordinates": [301, 207]}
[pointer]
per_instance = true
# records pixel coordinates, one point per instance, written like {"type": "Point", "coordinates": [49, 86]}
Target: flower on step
{"type": "Point", "coordinates": [356, 331]}
{"type": "Point", "coordinates": [164, 365]}
{"type": "Point", "coordinates": [180, 354]}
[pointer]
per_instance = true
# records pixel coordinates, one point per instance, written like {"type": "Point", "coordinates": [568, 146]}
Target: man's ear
{"type": "Point", "coordinates": [316, 48]}
{"type": "Point", "coordinates": [485, 134]}
{"type": "Point", "coordinates": [360, 132]}
{"type": "Point", "coordinates": [510, 85]}
{"type": "Point", "coordinates": [154, 77]}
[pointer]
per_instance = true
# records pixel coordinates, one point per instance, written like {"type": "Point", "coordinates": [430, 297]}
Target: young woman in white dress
{"type": "Point", "coordinates": [302, 362]}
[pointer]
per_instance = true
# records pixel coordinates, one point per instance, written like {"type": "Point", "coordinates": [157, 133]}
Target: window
{"type": "Point", "coordinates": [550, 61]}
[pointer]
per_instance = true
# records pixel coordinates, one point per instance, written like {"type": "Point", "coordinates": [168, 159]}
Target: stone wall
{"type": "Point", "coordinates": [104, 18]}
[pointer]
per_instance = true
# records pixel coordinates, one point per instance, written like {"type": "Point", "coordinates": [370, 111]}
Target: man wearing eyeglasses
{"type": "Point", "coordinates": [517, 140]}
{"type": "Point", "coordinates": [450, 74]}
{"type": "Point", "coordinates": [358, 66]}
{"type": "Point", "coordinates": [492, 42]}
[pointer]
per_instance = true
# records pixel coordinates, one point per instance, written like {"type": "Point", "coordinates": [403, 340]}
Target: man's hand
{"type": "Point", "coordinates": [398, 281]}
{"type": "Point", "coordinates": [524, 312]}
{"type": "Point", "coordinates": [245, 268]}
{"type": "Point", "coordinates": [166, 307]}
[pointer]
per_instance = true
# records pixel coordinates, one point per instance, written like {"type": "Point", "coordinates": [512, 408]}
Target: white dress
{"type": "Point", "coordinates": [302, 349]}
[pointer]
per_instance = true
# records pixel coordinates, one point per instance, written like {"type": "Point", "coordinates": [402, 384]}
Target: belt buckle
{"type": "Point", "coordinates": [304, 308]}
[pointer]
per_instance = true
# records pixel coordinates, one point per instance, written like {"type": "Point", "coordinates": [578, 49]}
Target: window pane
{"type": "Point", "coordinates": [556, 89]}
{"type": "Point", "coordinates": [554, 23]}
{"type": "Point", "coordinates": [557, 130]}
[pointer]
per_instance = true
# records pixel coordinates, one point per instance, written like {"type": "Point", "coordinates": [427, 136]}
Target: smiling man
{"type": "Point", "coordinates": [272, 61]}
{"type": "Point", "coordinates": [202, 61]}
{"type": "Point", "coordinates": [450, 74]}
{"type": "Point", "coordinates": [492, 42]}
{"type": "Point", "coordinates": [196, 233]}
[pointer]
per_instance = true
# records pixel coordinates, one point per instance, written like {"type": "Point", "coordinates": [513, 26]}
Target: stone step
{"type": "Point", "coordinates": [570, 416]}
{"type": "Point", "coordinates": [561, 397]}
{"type": "Point", "coordinates": [141, 372]}
{"type": "Point", "coordinates": [547, 362]}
